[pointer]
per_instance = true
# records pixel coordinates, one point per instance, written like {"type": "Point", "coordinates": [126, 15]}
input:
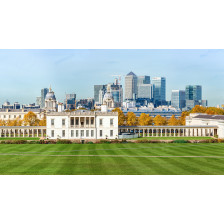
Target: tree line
{"type": "Point", "coordinates": [146, 120]}
{"type": "Point", "coordinates": [30, 119]}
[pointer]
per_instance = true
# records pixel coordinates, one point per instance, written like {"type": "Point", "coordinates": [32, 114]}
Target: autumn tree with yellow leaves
{"type": "Point", "coordinates": [145, 120]}
{"type": "Point", "coordinates": [160, 121]}
{"type": "Point", "coordinates": [131, 119]}
{"type": "Point", "coordinates": [30, 119]}
{"type": "Point", "coordinates": [173, 121]}
{"type": "Point", "coordinates": [121, 116]}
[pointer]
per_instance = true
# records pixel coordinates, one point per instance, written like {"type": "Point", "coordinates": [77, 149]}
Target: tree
{"type": "Point", "coordinates": [131, 119]}
{"type": "Point", "coordinates": [2, 123]}
{"type": "Point", "coordinates": [121, 116]}
{"type": "Point", "coordinates": [145, 120]}
{"type": "Point", "coordinates": [30, 119]}
{"type": "Point", "coordinates": [182, 119]}
{"type": "Point", "coordinates": [198, 109]}
{"type": "Point", "coordinates": [43, 122]}
{"type": "Point", "coordinates": [173, 121]}
{"type": "Point", "coordinates": [160, 121]}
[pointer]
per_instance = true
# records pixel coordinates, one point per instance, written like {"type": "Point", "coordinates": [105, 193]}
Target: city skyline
{"type": "Point", "coordinates": [25, 72]}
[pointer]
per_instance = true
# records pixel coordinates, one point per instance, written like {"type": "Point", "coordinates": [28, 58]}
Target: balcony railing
{"type": "Point", "coordinates": [82, 126]}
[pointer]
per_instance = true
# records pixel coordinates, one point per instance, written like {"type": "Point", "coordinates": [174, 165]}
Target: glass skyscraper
{"type": "Point", "coordinates": [178, 99]}
{"type": "Point", "coordinates": [130, 86]}
{"type": "Point", "coordinates": [159, 90]}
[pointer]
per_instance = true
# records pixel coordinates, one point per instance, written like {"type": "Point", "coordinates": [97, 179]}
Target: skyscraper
{"type": "Point", "coordinates": [70, 101]}
{"type": "Point", "coordinates": [44, 92]}
{"type": "Point", "coordinates": [144, 88]}
{"type": "Point", "coordinates": [159, 90]}
{"type": "Point", "coordinates": [130, 86]}
{"type": "Point", "coordinates": [178, 99]}
{"type": "Point", "coordinates": [193, 96]}
{"type": "Point", "coordinates": [193, 92]}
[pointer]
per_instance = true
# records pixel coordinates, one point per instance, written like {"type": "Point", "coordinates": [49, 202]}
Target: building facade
{"type": "Point", "coordinates": [130, 86]}
{"type": "Point", "coordinates": [159, 90]}
{"type": "Point", "coordinates": [178, 99]}
{"type": "Point", "coordinates": [70, 101]}
{"type": "Point", "coordinates": [44, 92]}
{"type": "Point", "coordinates": [50, 101]}
{"type": "Point", "coordinates": [82, 125]}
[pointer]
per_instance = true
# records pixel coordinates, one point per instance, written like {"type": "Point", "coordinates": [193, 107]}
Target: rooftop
{"type": "Point", "coordinates": [213, 117]}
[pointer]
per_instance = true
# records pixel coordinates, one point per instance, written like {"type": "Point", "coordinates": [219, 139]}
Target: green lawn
{"type": "Point", "coordinates": [115, 159]}
{"type": "Point", "coordinates": [26, 138]}
{"type": "Point", "coordinates": [172, 138]}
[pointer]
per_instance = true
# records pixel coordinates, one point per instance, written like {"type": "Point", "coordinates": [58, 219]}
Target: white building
{"type": "Point", "coordinates": [12, 114]}
{"type": "Point", "coordinates": [82, 125]}
{"type": "Point", "coordinates": [206, 120]}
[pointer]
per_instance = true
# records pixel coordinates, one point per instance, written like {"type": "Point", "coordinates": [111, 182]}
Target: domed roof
{"type": "Point", "coordinates": [108, 96]}
{"type": "Point", "coordinates": [50, 95]}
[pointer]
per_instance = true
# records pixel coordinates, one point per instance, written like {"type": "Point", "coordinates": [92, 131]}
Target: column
{"type": "Point", "coordinates": [80, 122]}
{"type": "Point", "coordinates": [148, 132]}
{"type": "Point", "coordinates": [179, 132]}
{"type": "Point", "coordinates": [33, 132]}
{"type": "Point", "coordinates": [14, 133]}
{"type": "Point", "coordinates": [19, 130]}
{"type": "Point", "coordinates": [157, 132]}
{"type": "Point", "coordinates": [84, 122]}
{"type": "Point", "coordinates": [42, 133]}
{"type": "Point", "coordinates": [23, 133]}
{"type": "Point", "coordinates": [9, 133]}
{"type": "Point", "coordinates": [5, 133]}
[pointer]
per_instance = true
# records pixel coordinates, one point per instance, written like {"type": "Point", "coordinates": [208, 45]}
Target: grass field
{"type": "Point", "coordinates": [115, 159]}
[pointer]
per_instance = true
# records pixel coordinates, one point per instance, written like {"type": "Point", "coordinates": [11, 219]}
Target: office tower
{"type": "Point", "coordinates": [117, 93]}
{"type": "Point", "coordinates": [97, 89]}
{"type": "Point", "coordinates": [130, 86]}
{"type": "Point", "coordinates": [145, 91]}
{"type": "Point", "coordinates": [178, 99]}
{"type": "Point", "coordinates": [44, 92]}
{"type": "Point", "coordinates": [193, 92]}
{"type": "Point", "coordinates": [159, 90]}
{"type": "Point", "coordinates": [143, 80]}
{"type": "Point", "coordinates": [70, 101]}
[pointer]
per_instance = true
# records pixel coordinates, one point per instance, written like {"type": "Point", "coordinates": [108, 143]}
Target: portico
{"type": "Point", "coordinates": [170, 131]}
{"type": "Point", "coordinates": [22, 132]}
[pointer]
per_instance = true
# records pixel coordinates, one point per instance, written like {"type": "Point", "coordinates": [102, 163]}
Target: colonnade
{"type": "Point", "coordinates": [22, 132]}
{"type": "Point", "coordinates": [170, 131]}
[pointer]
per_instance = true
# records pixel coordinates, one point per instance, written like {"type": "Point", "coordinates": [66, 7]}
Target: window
{"type": "Point", "coordinates": [72, 133]}
{"type": "Point", "coordinates": [87, 121]}
{"type": "Point", "coordinates": [111, 133]}
{"type": "Point", "coordinates": [82, 133]}
{"type": "Point", "coordinates": [14, 116]}
{"type": "Point", "coordinates": [52, 133]}
{"type": "Point", "coordinates": [52, 122]}
{"type": "Point", "coordinates": [87, 133]}
{"type": "Point", "coordinates": [77, 133]}
{"type": "Point", "coordinates": [63, 122]}
{"type": "Point", "coordinates": [77, 121]}
{"type": "Point", "coordinates": [101, 121]}
{"type": "Point", "coordinates": [19, 116]}
{"type": "Point", "coordinates": [63, 133]}
{"type": "Point", "coordinates": [92, 120]}
{"type": "Point", "coordinates": [92, 133]}
{"type": "Point", "coordinates": [112, 121]}
{"type": "Point", "coordinates": [4, 116]}
{"type": "Point", "coordinates": [9, 116]}
{"type": "Point", "coordinates": [101, 133]}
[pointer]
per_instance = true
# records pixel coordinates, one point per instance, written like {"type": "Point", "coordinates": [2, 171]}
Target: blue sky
{"type": "Point", "coordinates": [24, 72]}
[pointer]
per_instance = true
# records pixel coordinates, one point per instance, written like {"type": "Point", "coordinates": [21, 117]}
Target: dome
{"type": "Point", "coordinates": [50, 96]}
{"type": "Point", "coordinates": [108, 96]}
